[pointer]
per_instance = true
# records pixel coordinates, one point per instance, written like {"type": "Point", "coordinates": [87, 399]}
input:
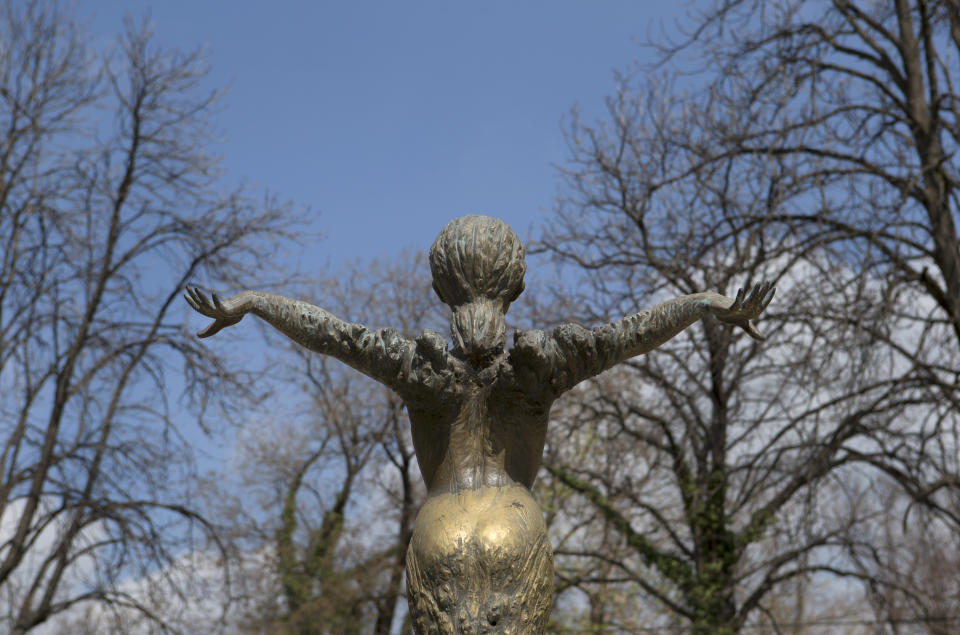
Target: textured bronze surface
{"type": "Point", "coordinates": [479, 560]}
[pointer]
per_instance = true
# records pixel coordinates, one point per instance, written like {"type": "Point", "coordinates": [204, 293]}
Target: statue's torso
{"type": "Point", "coordinates": [478, 429]}
{"type": "Point", "coordinates": [479, 559]}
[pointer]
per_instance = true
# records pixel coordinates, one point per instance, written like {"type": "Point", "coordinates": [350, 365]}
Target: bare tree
{"type": "Point", "coordinates": [109, 203]}
{"type": "Point", "coordinates": [727, 468]}
{"type": "Point", "coordinates": [912, 565]}
{"type": "Point", "coordinates": [336, 480]}
{"type": "Point", "coordinates": [858, 102]}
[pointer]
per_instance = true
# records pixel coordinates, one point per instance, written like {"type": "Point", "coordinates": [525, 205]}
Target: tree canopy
{"type": "Point", "coordinates": [812, 144]}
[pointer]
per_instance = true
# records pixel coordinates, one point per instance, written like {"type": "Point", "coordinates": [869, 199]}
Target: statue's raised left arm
{"type": "Point", "coordinates": [382, 355]}
{"type": "Point", "coordinates": [571, 353]}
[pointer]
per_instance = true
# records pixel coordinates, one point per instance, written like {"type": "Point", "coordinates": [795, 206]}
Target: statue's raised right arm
{"type": "Point", "coordinates": [383, 355]}
{"type": "Point", "coordinates": [571, 353]}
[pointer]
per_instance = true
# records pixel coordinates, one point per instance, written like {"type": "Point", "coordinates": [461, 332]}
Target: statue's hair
{"type": "Point", "coordinates": [478, 268]}
{"type": "Point", "coordinates": [477, 257]}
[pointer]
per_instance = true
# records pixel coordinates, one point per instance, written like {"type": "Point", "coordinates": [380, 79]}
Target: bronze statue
{"type": "Point", "coordinates": [479, 560]}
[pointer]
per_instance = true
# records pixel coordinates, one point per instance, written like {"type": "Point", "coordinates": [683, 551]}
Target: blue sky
{"type": "Point", "coordinates": [387, 119]}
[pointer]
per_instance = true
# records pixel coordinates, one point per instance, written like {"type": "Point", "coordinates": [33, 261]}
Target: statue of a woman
{"type": "Point", "coordinates": [479, 560]}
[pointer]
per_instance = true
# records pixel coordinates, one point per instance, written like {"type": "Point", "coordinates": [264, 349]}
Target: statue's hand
{"type": "Point", "coordinates": [744, 310]}
{"type": "Point", "coordinates": [224, 313]}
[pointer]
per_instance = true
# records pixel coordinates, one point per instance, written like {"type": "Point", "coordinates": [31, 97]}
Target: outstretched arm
{"type": "Point", "coordinates": [383, 355]}
{"type": "Point", "coordinates": [572, 353]}
{"type": "Point", "coordinates": [646, 330]}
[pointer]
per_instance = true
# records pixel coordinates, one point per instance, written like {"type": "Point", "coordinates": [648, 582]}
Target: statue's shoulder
{"type": "Point", "coordinates": [529, 344]}
{"type": "Point", "coordinates": [551, 362]}
{"type": "Point", "coordinates": [431, 345]}
{"type": "Point", "coordinates": [548, 346]}
{"type": "Point", "coordinates": [429, 368]}
{"type": "Point", "coordinates": [428, 344]}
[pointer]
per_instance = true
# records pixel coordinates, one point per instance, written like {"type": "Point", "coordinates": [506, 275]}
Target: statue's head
{"type": "Point", "coordinates": [477, 266]}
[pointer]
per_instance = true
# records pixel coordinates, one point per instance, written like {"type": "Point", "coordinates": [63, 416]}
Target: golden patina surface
{"type": "Point", "coordinates": [480, 562]}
